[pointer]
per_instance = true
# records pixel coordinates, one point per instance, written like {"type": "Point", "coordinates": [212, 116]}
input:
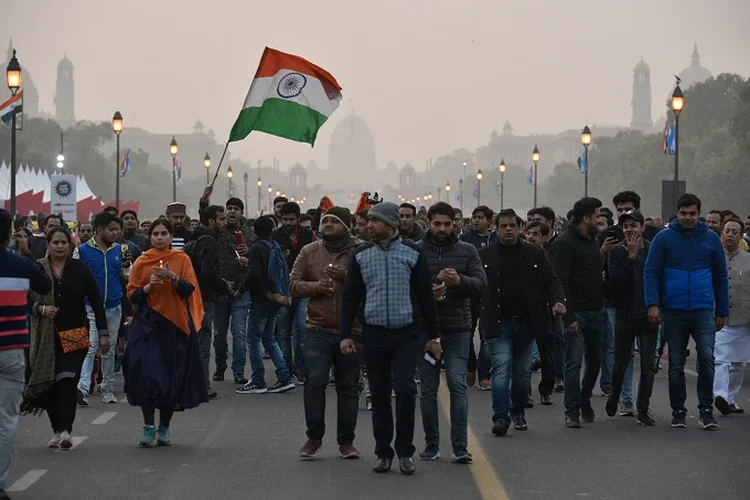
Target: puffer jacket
{"type": "Point", "coordinates": [323, 311]}
{"type": "Point", "coordinates": [454, 312]}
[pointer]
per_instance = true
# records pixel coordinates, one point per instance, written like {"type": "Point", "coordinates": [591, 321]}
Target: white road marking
{"type": "Point", "coordinates": [27, 480]}
{"type": "Point", "coordinates": [104, 418]}
{"type": "Point", "coordinates": [76, 441]}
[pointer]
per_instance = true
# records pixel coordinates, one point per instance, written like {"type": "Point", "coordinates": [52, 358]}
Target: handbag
{"type": "Point", "coordinates": [74, 339]}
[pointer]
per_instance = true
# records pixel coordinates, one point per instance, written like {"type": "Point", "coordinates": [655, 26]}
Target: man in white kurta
{"type": "Point", "coordinates": [732, 348]}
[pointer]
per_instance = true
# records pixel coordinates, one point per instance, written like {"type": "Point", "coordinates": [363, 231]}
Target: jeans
{"type": "Point", "coordinates": [608, 347]}
{"type": "Point", "coordinates": [236, 310]}
{"type": "Point", "coordinates": [535, 352]}
{"type": "Point", "coordinates": [678, 326]}
{"type": "Point", "coordinates": [484, 366]}
{"type": "Point", "coordinates": [290, 332]}
{"type": "Point", "coordinates": [511, 369]}
{"type": "Point", "coordinates": [321, 352]}
{"type": "Point", "coordinates": [455, 357]}
{"type": "Point", "coordinates": [391, 359]}
{"type": "Point", "coordinates": [587, 343]}
{"type": "Point", "coordinates": [12, 372]}
{"type": "Point", "coordinates": [204, 337]}
{"type": "Point", "coordinates": [625, 334]}
{"type": "Point", "coordinates": [108, 359]}
{"type": "Point", "coordinates": [262, 325]}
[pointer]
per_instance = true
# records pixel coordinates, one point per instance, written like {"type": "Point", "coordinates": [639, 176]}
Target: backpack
{"type": "Point", "coordinates": [278, 275]}
{"type": "Point", "coordinates": [189, 249]}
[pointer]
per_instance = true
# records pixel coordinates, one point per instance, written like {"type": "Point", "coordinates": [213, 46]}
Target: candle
{"type": "Point", "coordinates": [161, 263]}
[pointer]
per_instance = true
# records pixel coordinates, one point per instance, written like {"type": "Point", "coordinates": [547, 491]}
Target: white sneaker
{"type": "Point", "coordinates": [55, 441]}
{"type": "Point", "coordinates": [108, 397]}
{"type": "Point", "coordinates": [66, 442]}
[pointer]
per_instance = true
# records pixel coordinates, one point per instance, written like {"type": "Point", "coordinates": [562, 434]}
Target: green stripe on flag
{"type": "Point", "coordinates": [279, 117]}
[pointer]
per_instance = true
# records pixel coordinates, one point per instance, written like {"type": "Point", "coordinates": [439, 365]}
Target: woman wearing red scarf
{"type": "Point", "coordinates": [162, 365]}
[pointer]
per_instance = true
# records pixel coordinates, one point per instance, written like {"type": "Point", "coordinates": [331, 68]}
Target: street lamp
{"type": "Point", "coordinates": [586, 140]}
{"type": "Point", "coordinates": [535, 159]}
{"type": "Point", "coordinates": [13, 78]}
{"type": "Point", "coordinates": [207, 164]}
{"type": "Point", "coordinates": [479, 187]}
{"type": "Point", "coordinates": [173, 150]}
{"type": "Point", "coordinates": [447, 192]}
{"type": "Point", "coordinates": [461, 186]}
{"type": "Point", "coordinates": [117, 126]}
{"type": "Point", "coordinates": [678, 102]}
{"type": "Point", "coordinates": [502, 182]}
{"type": "Point", "coordinates": [270, 207]}
{"type": "Point", "coordinates": [245, 179]}
{"type": "Point", "coordinates": [60, 161]}
{"type": "Point", "coordinates": [260, 194]}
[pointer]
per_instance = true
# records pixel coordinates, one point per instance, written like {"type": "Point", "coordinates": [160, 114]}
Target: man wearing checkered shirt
{"type": "Point", "coordinates": [389, 287]}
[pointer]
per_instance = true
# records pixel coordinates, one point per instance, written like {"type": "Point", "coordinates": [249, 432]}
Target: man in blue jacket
{"type": "Point", "coordinates": [686, 283]}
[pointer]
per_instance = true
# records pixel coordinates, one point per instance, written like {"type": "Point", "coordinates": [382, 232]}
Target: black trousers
{"type": "Point", "coordinates": [546, 345]}
{"type": "Point", "coordinates": [392, 352]}
{"type": "Point", "coordinates": [625, 334]}
{"type": "Point", "coordinates": [165, 414]}
{"type": "Point", "coordinates": [61, 404]}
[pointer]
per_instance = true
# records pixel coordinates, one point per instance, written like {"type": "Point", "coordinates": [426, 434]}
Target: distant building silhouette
{"type": "Point", "coordinates": [352, 148]}
{"type": "Point", "coordinates": [641, 101]}
{"type": "Point", "coordinates": [65, 94]}
{"type": "Point", "coordinates": [695, 73]}
{"type": "Point", "coordinates": [298, 177]}
{"type": "Point", "coordinates": [30, 93]}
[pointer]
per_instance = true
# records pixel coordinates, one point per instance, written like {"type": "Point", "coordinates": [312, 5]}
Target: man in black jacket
{"type": "Point", "coordinates": [522, 292]}
{"type": "Point", "coordinates": [457, 277]}
{"type": "Point", "coordinates": [206, 266]}
{"type": "Point", "coordinates": [578, 259]}
{"type": "Point", "coordinates": [626, 265]}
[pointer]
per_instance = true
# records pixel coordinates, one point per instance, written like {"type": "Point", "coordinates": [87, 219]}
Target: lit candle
{"type": "Point", "coordinates": [161, 263]}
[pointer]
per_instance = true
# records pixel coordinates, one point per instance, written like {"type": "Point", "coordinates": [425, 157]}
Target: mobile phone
{"type": "Point", "coordinates": [239, 238]}
{"type": "Point", "coordinates": [428, 357]}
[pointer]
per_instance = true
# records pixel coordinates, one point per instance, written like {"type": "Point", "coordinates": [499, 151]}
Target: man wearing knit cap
{"type": "Point", "coordinates": [176, 216]}
{"type": "Point", "coordinates": [389, 281]}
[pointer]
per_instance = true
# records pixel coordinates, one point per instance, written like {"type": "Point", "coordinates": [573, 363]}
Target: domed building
{"type": "Point", "coordinates": [30, 93]}
{"type": "Point", "coordinates": [695, 73]}
{"type": "Point", "coordinates": [298, 176]}
{"type": "Point", "coordinates": [352, 148]}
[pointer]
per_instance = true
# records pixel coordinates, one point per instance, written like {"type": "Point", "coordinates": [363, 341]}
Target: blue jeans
{"type": "Point", "coordinates": [236, 310]}
{"type": "Point", "coordinates": [678, 326]}
{"type": "Point", "coordinates": [12, 371]}
{"type": "Point", "coordinates": [510, 354]}
{"type": "Point", "coordinates": [535, 352]}
{"type": "Point", "coordinates": [455, 357]}
{"type": "Point", "coordinates": [290, 333]}
{"type": "Point", "coordinates": [108, 359]}
{"type": "Point", "coordinates": [608, 347]}
{"type": "Point", "coordinates": [587, 343]}
{"type": "Point", "coordinates": [262, 325]}
{"type": "Point", "coordinates": [483, 358]}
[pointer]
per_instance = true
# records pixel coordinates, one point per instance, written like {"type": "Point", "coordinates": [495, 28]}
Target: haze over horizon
{"type": "Point", "coordinates": [428, 77]}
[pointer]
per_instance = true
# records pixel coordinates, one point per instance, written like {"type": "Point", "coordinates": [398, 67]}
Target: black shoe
{"type": "Point", "coordinates": [657, 365]}
{"type": "Point", "coordinates": [382, 465]}
{"type": "Point", "coordinates": [239, 379]}
{"type": "Point", "coordinates": [500, 428]}
{"type": "Point", "coordinates": [611, 406]}
{"type": "Point", "coordinates": [299, 377]}
{"type": "Point", "coordinates": [407, 466]}
{"type": "Point", "coordinates": [645, 420]}
{"type": "Point", "coordinates": [219, 375]}
{"type": "Point", "coordinates": [519, 423]}
{"type": "Point", "coordinates": [606, 391]}
{"type": "Point", "coordinates": [587, 416]}
{"type": "Point", "coordinates": [733, 408]}
{"type": "Point", "coordinates": [546, 400]}
{"type": "Point", "coordinates": [678, 421]}
{"type": "Point", "coordinates": [536, 365]}
{"type": "Point", "coordinates": [529, 401]}
{"type": "Point", "coordinates": [572, 421]}
{"type": "Point", "coordinates": [4, 495]}
{"type": "Point", "coordinates": [722, 405]}
{"type": "Point", "coordinates": [559, 386]}
{"type": "Point", "coordinates": [708, 421]}
{"type": "Point", "coordinates": [212, 394]}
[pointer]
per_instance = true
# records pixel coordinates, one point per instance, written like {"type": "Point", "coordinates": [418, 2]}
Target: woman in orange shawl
{"type": "Point", "coordinates": [162, 365]}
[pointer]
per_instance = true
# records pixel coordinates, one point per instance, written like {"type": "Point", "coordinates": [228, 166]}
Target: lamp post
{"type": "Point", "coordinates": [448, 192]}
{"type": "Point", "coordinates": [678, 102]}
{"type": "Point", "coordinates": [270, 207]}
{"type": "Point", "coordinates": [13, 78]}
{"type": "Point", "coordinates": [502, 182]}
{"type": "Point", "coordinates": [260, 185]}
{"type": "Point", "coordinates": [535, 159]}
{"type": "Point", "coordinates": [173, 150]}
{"type": "Point", "coordinates": [245, 179]}
{"type": "Point", "coordinates": [461, 187]}
{"type": "Point", "coordinates": [60, 156]}
{"type": "Point", "coordinates": [117, 126]}
{"type": "Point", "coordinates": [230, 174]}
{"type": "Point", "coordinates": [207, 164]}
{"type": "Point", "coordinates": [479, 187]}
{"type": "Point", "coordinates": [586, 140]}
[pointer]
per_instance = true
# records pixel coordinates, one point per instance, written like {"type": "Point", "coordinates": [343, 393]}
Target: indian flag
{"type": "Point", "coordinates": [10, 107]}
{"type": "Point", "coordinates": [290, 97]}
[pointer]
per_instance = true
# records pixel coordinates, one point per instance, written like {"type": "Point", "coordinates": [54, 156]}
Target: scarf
{"type": "Point", "coordinates": [341, 245]}
{"type": "Point", "coordinates": [164, 298]}
{"type": "Point", "coordinates": [41, 350]}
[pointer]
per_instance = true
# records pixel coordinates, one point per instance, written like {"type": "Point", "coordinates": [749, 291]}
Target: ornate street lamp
{"type": "Point", "coordinates": [479, 186]}
{"type": "Point", "coordinates": [173, 150]}
{"type": "Point", "coordinates": [502, 168]}
{"type": "Point", "coordinates": [586, 141]}
{"type": "Point", "coordinates": [678, 102]}
{"type": "Point", "coordinates": [535, 159]}
{"type": "Point", "coordinates": [207, 164]}
{"type": "Point", "coordinates": [13, 78]}
{"type": "Point", "coordinates": [245, 179]}
{"type": "Point", "coordinates": [117, 126]}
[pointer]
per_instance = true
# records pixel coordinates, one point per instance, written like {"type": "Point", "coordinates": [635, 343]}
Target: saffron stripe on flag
{"type": "Point", "coordinates": [274, 61]}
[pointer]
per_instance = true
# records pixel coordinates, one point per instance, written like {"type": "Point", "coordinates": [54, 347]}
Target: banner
{"type": "Point", "coordinates": [63, 196]}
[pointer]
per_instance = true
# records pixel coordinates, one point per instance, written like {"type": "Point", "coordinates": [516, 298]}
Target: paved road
{"type": "Point", "coordinates": [245, 446]}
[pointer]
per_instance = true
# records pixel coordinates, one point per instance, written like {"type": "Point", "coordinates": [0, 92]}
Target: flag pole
{"type": "Point", "coordinates": [218, 168]}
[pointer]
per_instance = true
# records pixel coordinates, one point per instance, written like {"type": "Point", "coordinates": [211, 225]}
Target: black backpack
{"type": "Point", "coordinates": [189, 249]}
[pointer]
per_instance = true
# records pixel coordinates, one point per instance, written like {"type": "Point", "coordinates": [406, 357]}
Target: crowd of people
{"type": "Point", "coordinates": [375, 302]}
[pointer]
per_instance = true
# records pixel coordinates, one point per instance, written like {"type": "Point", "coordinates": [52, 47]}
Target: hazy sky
{"type": "Point", "coordinates": [428, 76]}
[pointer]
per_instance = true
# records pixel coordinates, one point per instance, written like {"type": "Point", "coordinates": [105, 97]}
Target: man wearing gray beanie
{"type": "Point", "coordinates": [390, 282]}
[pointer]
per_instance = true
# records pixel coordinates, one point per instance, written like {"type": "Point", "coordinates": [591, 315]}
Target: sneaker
{"type": "Point", "coordinates": [519, 423]}
{"type": "Point", "coordinates": [529, 401]}
{"type": "Point", "coordinates": [310, 448]}
{"type": "Point", "coordinates": [645, 420]}
{"type": "Point", "coordinates": [280, 386]}
{"type": "Point", "coordinates": [485, 385]}
{"type": "Point", "coordinates": [559, 386]}
{"type": "Point", "coordinates": [461, 457]}
{"type": "Point", "coordinates": [678, 421]}
{"type": "Point", "coordinates": [733, 408]}
{"type": "Point", "coordinates": [587, 415]}
{"type": "Point", "coordinates": [219, 375]}
{"type": "Point", "coordinates": [108, 397]}
{"type": "Point", "coordinates": [147, 436]}
{"type": "Point", "coordinates": [545, 399]}
{"type": "Point", "coordinates": [251, 388]}
{"type": "Point", "coordinates": [471, 379]}
{"type": "Point", "coordinates": [66, 442]}
{"type": "Point", "coordinates": [611, 406]}
{"type": "Point", "coordinates": [368, 403]}
{"type": "Point", "coordinates": [299, 377]}
{"type": "Point", "coordinates": [239, 379]}
{"type": "Point", "coordinates": [430, 453]}
{"type": "Point", "coordinates": [722, 405]}
{"type": "Point", "coordinates": [500, 428]}
{"type": "Point", "coordinates": [83, 398]}
{"type": "Point", "coordinates": [212, 393]}
{"type": "Point", "coordinates": [55, 441]}
{"type": "Point", "coordinates": [606, 391]}
{"type": "Point", "coordinates": [708, 421]}
{"type": "Point", "coordinates": [348, 452]}
{"type": "Point", "coordinates": [572, 421]}
{"type": "Point", "coordinates": [626, 410]}
{"type": "Point", "coordinates": [162, 436]}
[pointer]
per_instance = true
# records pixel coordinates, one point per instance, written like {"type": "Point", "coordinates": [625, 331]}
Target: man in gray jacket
{"type": "Point", "coordinates": [457, 277]}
